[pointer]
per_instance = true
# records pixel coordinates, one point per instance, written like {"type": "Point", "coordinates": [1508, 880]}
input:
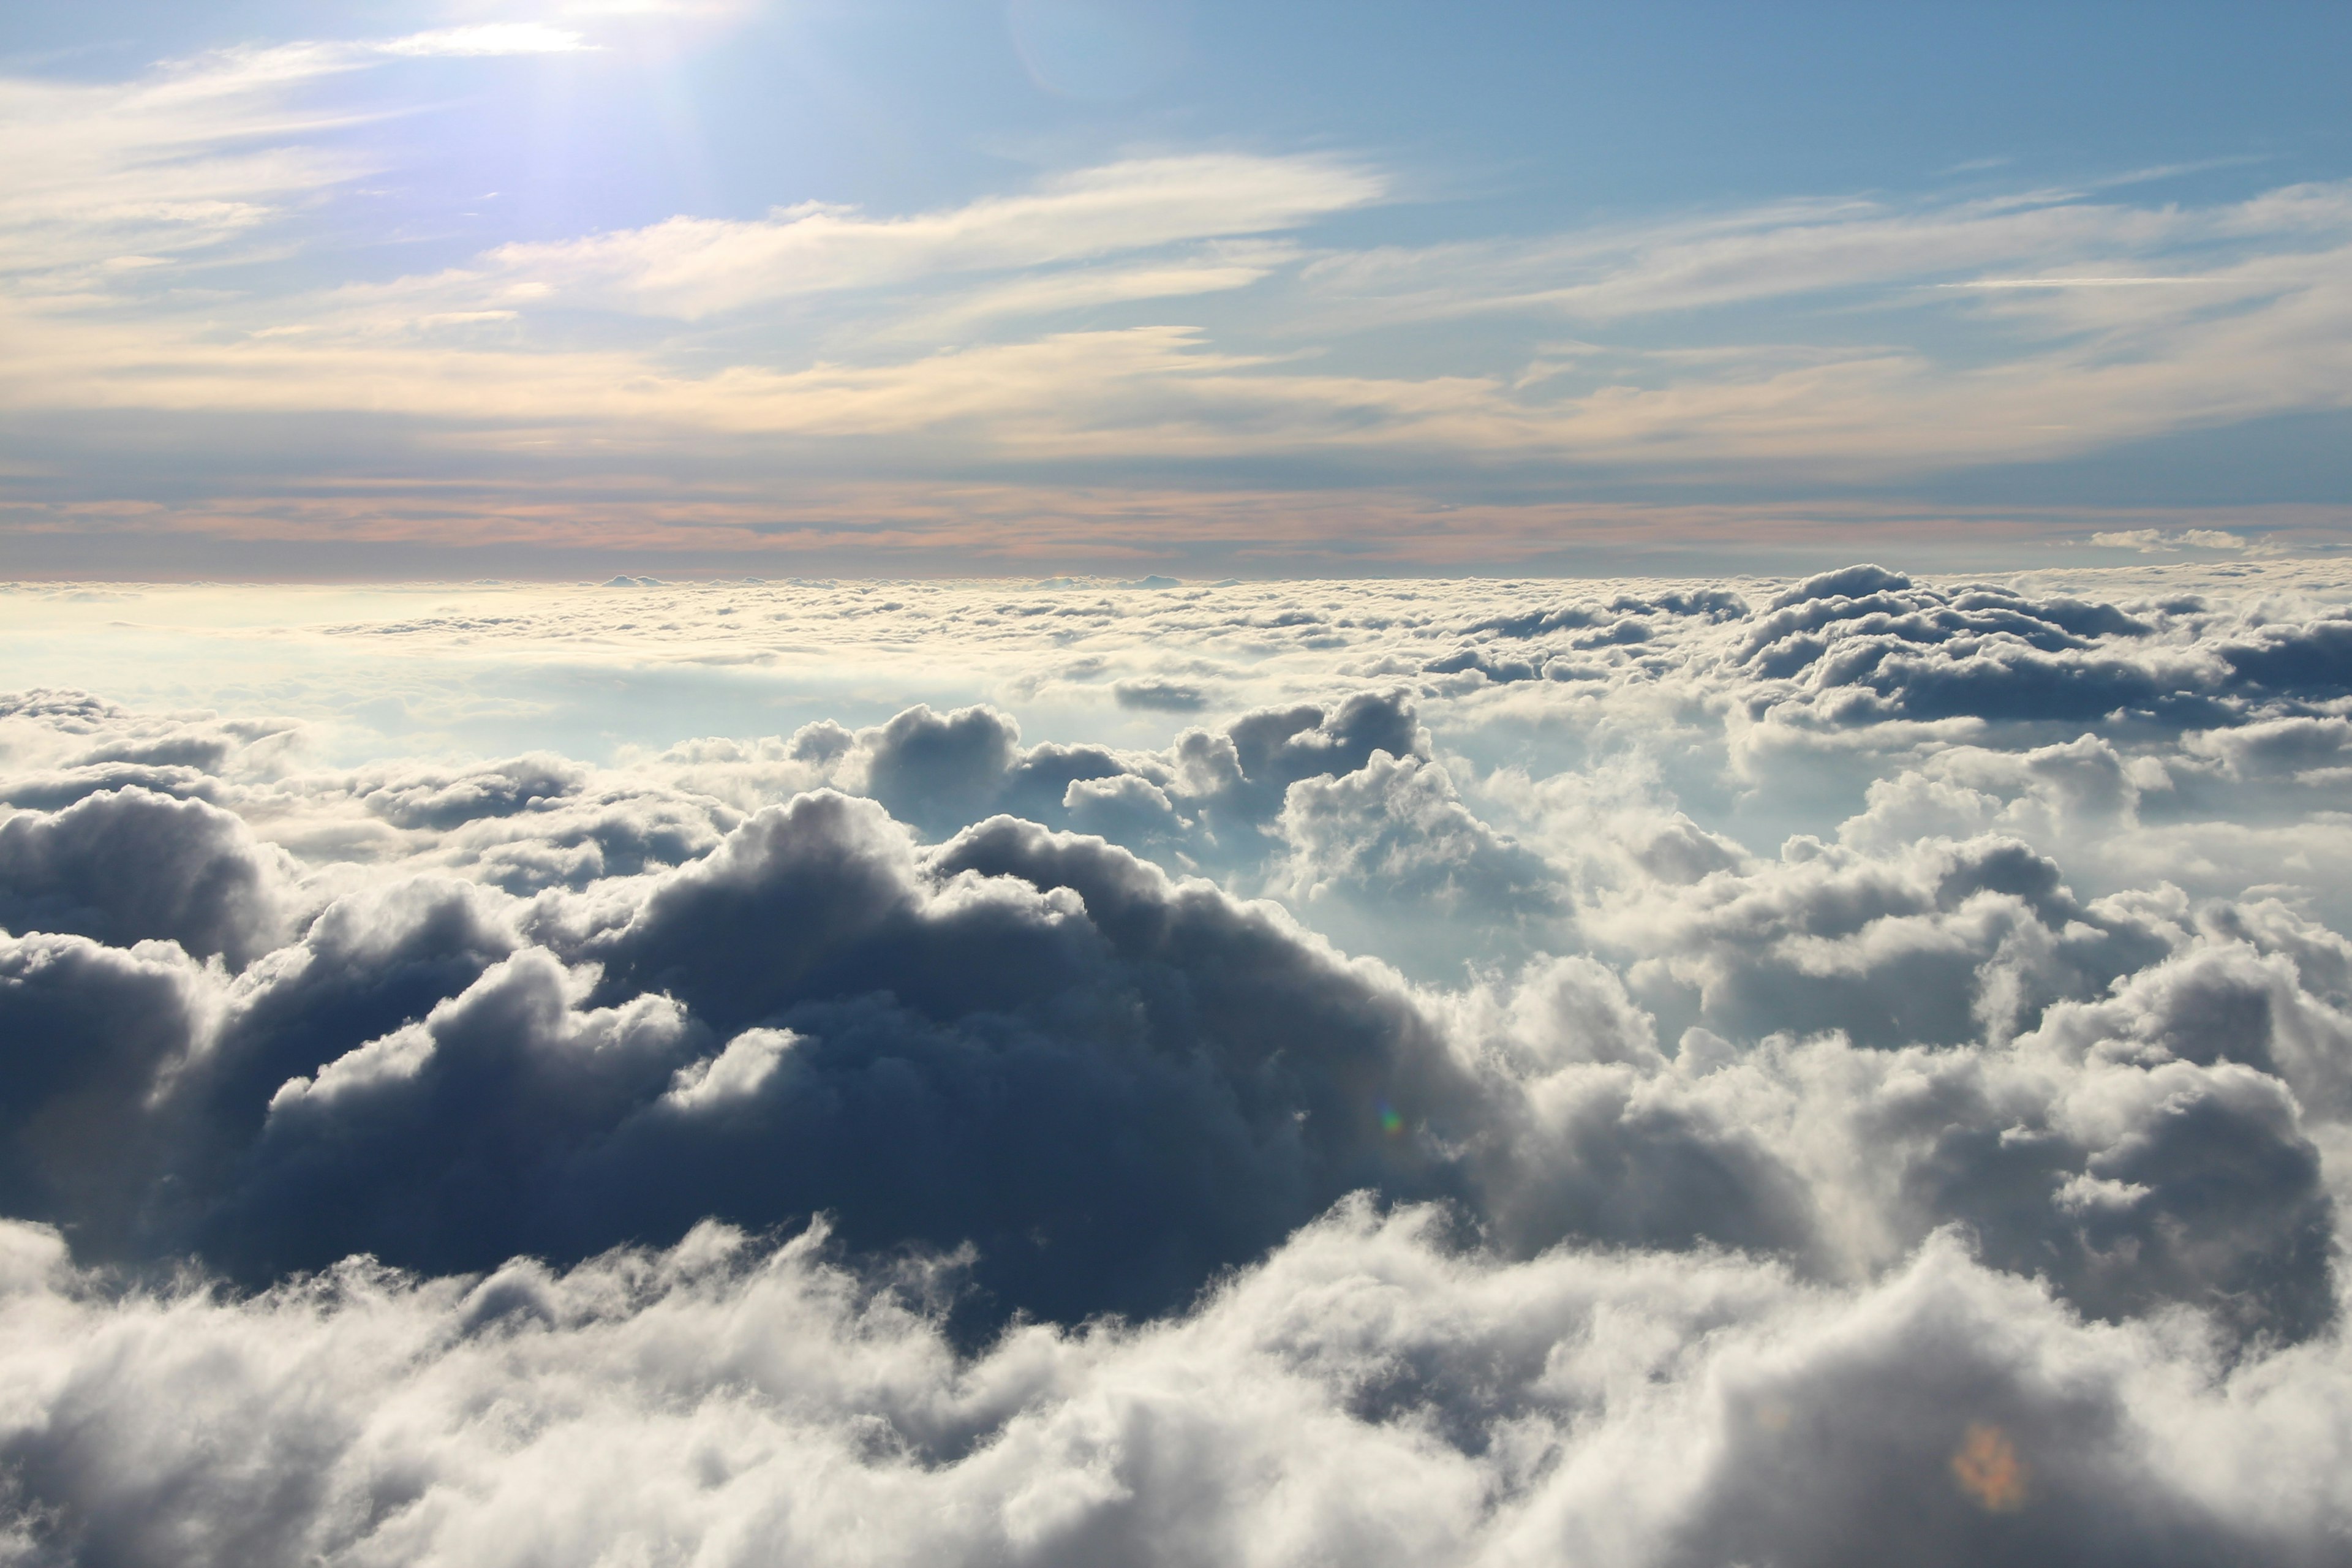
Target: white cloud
{"type": "Point", "coordinates": [1229, 265]}
{"type": "Point", "coordinates": [486, 38]}
{"type": "Point", "coordinates": [695, 267]}
{"type": "Point", "coordinates": [1787, 248]}
{"type": "Point", "coordinates": [1365, 1389]}
{"type": "Point", "coordinates": [2159, 541]}
{"type": "Point", "coordinates": [194, 153]}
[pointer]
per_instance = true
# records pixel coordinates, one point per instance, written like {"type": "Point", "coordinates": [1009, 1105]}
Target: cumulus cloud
{"type": "Point", "coordinates": [1368, 1389]}
{"type": "Point", "coordinates": [1643, 1074]}
{"type": "Point", "coordinates": [129, 863]}
{"type": "Point", "coordinates": [1391, 844]}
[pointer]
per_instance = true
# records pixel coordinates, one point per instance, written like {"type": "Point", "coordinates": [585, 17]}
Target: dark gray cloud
{"type": "Point", "coordinates": [53, 789]}
{"type": "Point", "coordinates": [1871, 644]}
{"type": "Point", "coordinates": [1159, 694]}
{"type": "Point", "coordinates": [130, 865]}
{"type": "Point", "coordinates": [446, 799]}
{"type": "Point", "coordinates": [2313, 660]}
{"type": "Point", "coordinates": [939, 770]}
{"type": "Point", "coordinates": [1942, 943]}
{"type": "Point", "coordinates": [1117, 1085]}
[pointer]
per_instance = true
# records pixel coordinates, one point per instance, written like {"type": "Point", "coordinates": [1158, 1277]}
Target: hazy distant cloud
{"type": "Point", "coordinates": [1156, 693]}
{"type": "Point", "coordinates": [1796, 247]}
{"type": "Point", "coordinates": [2155, 541]}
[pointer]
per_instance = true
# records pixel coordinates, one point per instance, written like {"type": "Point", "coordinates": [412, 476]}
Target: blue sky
{"type": "Point", "coordinates": [537, 288]}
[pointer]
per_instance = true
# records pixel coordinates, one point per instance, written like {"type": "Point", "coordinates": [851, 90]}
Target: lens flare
{"type": "Point", "coordinates": [1098, 51]}
{"type": "Point", "coordinates": [1987, 1468]}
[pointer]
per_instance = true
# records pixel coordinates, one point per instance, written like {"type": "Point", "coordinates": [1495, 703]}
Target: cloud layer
{"type": "Point", "coordinates": [1834, 1070]}
{"type": "Point", "coordinates": [201, 252]}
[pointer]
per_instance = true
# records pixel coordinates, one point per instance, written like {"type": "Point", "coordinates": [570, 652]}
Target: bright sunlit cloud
{"type": "Point", "coordinates": [488, 38]}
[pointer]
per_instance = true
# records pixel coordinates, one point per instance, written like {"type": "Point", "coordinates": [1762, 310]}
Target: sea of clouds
{"type": "Point", "coordinates": [1850, 1070]}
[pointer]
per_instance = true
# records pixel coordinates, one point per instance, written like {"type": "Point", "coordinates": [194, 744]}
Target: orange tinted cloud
{"type": "Point", "coordinates": [928, 526]}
